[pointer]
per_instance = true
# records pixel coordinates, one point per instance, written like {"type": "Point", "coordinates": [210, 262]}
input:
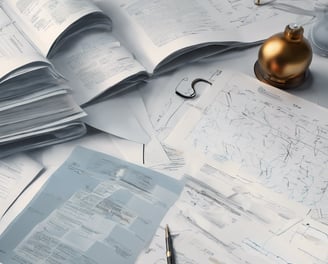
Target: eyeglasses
{"type": "Point", "coordinates": [313, 11]}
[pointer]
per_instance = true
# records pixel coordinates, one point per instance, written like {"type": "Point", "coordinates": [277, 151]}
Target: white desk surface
{"type": "Point", "coordinates": [241, 60]}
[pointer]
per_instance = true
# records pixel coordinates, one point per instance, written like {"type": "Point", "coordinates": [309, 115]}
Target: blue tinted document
{"type": "Point", "coordinates": [94, 209]}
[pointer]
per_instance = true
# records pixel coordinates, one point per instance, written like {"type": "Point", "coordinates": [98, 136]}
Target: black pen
{"type": "Point", "coordinates": [169, 246]}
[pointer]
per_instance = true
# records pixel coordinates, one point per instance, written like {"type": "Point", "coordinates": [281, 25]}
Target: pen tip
{"type": "Point", "coordinates": [166, 231]}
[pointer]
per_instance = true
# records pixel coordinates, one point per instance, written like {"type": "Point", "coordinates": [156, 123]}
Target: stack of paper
{"type": "Point", "coordinates": [35, 106]}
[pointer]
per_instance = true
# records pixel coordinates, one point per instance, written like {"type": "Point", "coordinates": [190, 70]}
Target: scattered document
{"type": "Point", "coordinates": [154, 152]}
{"type": "Point", "coordinates": [165, 108]}
{"type": "Point", "coordinates": [222, 217]}
{"type": "Point", "coordinates": [267, 131]}
{"type": "Point", "coordinates": [94, 209]}
{"type": "Point", "coordinates": [125, 116]}
{"type": "Point", "coordinates": [51, 158]}
{"type": "Point", "coordinates": [116, 117]}
{"type": "Point", "coordinates": [16, 173]}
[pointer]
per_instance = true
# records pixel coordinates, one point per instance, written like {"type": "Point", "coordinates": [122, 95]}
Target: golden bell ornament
{"type": "Point", "coordinates": [284, 58]}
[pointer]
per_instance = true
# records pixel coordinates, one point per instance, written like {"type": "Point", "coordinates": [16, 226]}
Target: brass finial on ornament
{"type": "Point", "coordinates": [284, 58]}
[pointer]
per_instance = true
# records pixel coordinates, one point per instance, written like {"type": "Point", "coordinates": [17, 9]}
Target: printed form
{"type": "Point", "coordinates": [94, 209]}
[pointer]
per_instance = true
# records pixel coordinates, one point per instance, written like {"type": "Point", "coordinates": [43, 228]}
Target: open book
{"type": "Point", "coordinates": [36, 107]}
{"type": "Point", "coordinates": [148, 37]}
{"type": "Point", "coordinates": [152, 37]}
{"type": "Point", "coordinates": [48, 24]}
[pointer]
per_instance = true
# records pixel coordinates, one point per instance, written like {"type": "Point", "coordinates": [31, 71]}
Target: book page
{"type": "Point", "coordinates": [16, 173]}
{"type": "Point", "coordinates": [93, 62]}
{"type": "Point", "coordinates": [15, 50]}
{"type": "Point", "coordinates": [154, 29]}
{"type": "Point", "coordinates": [43, 21]}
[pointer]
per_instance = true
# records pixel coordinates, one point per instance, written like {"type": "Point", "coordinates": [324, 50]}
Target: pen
{"type": "Point", "coordinates": [169, 246]}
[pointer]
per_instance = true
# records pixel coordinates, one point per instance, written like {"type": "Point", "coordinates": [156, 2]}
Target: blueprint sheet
{"type": "Point", "coordinates": [279, 138]}
{"type": "Point", "coordinates": [95, 209]}
{"type": "Point", "coordinates": [222, 217]}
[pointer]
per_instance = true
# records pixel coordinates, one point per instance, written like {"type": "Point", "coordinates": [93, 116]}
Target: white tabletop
{"type": "Point", "coordinates": [238, 60]}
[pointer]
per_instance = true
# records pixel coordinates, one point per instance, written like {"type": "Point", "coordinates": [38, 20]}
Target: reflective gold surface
{"type": "Point", "coordinates": [284, 59]}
